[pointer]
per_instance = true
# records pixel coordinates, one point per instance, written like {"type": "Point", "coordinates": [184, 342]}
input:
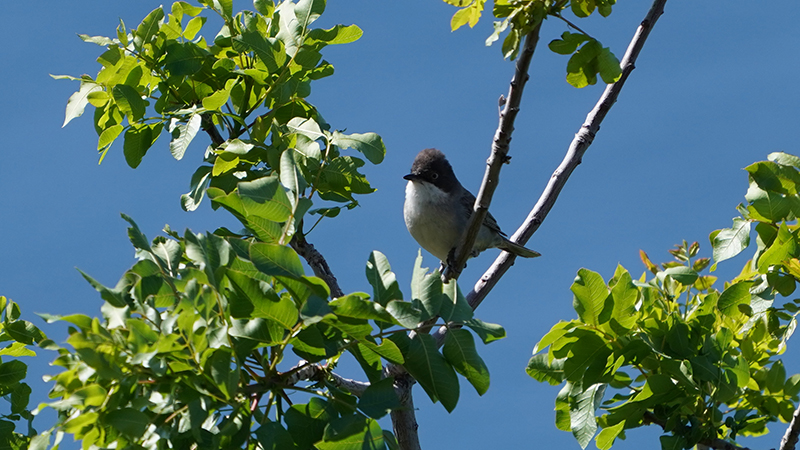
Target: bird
{"type": "Point", "coordinates": [437, 209]}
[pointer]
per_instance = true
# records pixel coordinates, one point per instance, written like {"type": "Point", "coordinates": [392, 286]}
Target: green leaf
{"type": "Point", "coordinates": [272, 436]}
{"type": "Point", "coordinates": [784, 159]}
{"type": "Point", "coordinates": [590, 295]}
{"type": "Point", "coordinates": [129, 101]}
{"type": "Point", "coordinates": [16, 349]}
{"type": "Point", "coordinates": [582, 66]}
{"type": "Point", "coordinates": [257, 299]}
{"type": "Point", "coordinates": [291, 177]}
{"type": "Point", "coordinates": [208, 251]}
{"type": "Point", "coordinates": [265, 197]}
{"type": "Point", "coordinates": [194, 25]}
{"type": "Point", "coordinates": [24, 331]}
{"type": "Point", "coordinates": [129, 421]}
{"type": "Point", "coordinates": [339, 34]}
{"type": "Point", "coordinates": [582, 8]}
{"type": "Point", "coordinates": [426, 287]}
{"type": "Point", "coordinates": [108, 136]}
{"type": "Point", "coordinates": [729, 242]}
{"type": "Point", "coordinates": [19, 398]}
{"type": "Point", "coordinates": [200, 179]}
{"type": "Point", "coordinates": [369, 144]}
{"type": "Point", "coordinates": [12, 372]}
{"type": "Point", "coordinates": [77, 102]}
{"type": "Point", "coordinates": [117, 296]}
{"type": "Point", "coordinates": [588, 359]}
{"type": "Point", "coordinates": [735, 295]}
{"type": "Point", "coordinates": [608, 66]}
{"type": "Point", "coordinates": [266, 331]}
{"type": "Point", "coordinates": [276, 260]}
{"type": "Point", "coordinates": [784, 247]}
{"type": "Point", "coordinates": [562, 408]}
{"type": "Point", "coordinates": [488, 332]}
{"type": "Point", "coordinates": [625, 294]}
{"type": "Point", "coordinates": [568, 43]}
{"type": "Point", "coordinates": [459, 350]}
{"type": "Point", "coordinates": [307, 11]}
{"type": "Point", "coordinates": [776, 377]}
{"type": "Point", "coordinates": [306, 127]}
{"type": "Point", "coordinates": [264, 7]}
{"type": "Point", "coordinates": [268, 50]}
{"type": "Point", "coordinates": [605, 439]}
{"type": "Point", "coordinates": [138, 139]}
{"type": "Point", "coordinates": [357, 306]}
{"type": "Point", "coordinates": [379, 398]}
{"type": "Point", "coordinates": [306, 422]}
{"type": "Point", "coordinates": [771, 176]}
{"type": "Point", "coordinates": [382, 279]}
{"type": "Point", "coordinates": [673, 442]}
{"type": "Point", "coordinates": [182, 135]}
{"type": "Point", "coordinates": [541, 370]}
{"type": "Point", "coordinates": [353, 432]}
{"type": "Point", "coordinates": [148, 28]}
{"type": "Point", "coordinates": [454, 307]}
{"type": "Point", "coordinates": [581, 413]}
{"type": "Point", "coordinates": [432, 371]}
{"type": "Point", "coordinates": [682, 274]}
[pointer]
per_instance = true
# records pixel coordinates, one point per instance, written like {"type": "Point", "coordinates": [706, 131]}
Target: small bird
{"type": "Point", "coordinates": [437, 210]}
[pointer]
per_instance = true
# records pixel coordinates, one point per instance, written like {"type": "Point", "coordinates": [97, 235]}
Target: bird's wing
{"type": "Point", "coordinates": [468, 203]}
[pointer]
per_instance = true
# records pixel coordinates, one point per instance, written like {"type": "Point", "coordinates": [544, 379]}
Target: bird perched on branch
{"type": "Point", "coordinates": [437, 210]}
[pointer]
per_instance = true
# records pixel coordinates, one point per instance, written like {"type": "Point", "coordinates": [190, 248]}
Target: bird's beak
{"type": "Point", "coordinates": [411, 177]}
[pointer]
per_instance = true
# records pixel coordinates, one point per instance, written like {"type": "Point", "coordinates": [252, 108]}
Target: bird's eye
{"type": "Point", "coordinates": [434, 176]}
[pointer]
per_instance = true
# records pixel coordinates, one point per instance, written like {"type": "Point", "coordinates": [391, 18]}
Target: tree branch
{"type": "Point", "coordinates": [497, 158]}
{"type": "Point", "coordinates": [207, 124]}
{"type": "Point", "coordinates": [583, 139]}
{"type": "Point", "coordinates": [404, 421]}
{"type": "Point", "coordinates": [789, 440]}
{"type": "Point", "coordinates": [716, 443]}
{"type": "Point", "coordinates": [318, 372]}
{"type": "Point", "coordinates": [317, 262]}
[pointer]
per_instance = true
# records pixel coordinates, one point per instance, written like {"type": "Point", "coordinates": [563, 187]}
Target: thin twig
{"type": "Point", "coordinates": [583, 139]}
{"type": "Point", "coordinates": [574, 26]}
{"type": "Point", "coordinates": [789, 440]}
{"type": "Point", "coordinates": [498, 156]}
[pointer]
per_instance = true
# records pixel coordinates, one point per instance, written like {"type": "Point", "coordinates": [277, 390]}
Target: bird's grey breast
{"type": "Point", "coordinates": [433, 218]}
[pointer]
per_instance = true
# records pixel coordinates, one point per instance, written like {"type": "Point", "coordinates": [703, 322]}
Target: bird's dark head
{"type": "Point", "coordinates": [431, 166]}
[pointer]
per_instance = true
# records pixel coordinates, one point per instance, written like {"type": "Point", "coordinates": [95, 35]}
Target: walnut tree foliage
{"type": "Point", "coordinates": [678, 350]}
{"type": "Point", "coordinates": [203, 341]}
{"type": "Point", "coordinates": [221, 340]}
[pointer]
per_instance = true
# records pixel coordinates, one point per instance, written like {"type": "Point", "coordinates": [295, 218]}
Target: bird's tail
{"type": "Point", "coordinates": [518, 250]}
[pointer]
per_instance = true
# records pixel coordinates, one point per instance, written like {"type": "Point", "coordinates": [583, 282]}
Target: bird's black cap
{"type": "Point", "coordinates": [432, 166]}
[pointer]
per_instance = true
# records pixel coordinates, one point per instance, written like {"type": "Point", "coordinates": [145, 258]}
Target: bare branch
{"type": "Point", "coordinates": [583, 139]}
{"type": "Point", "coordinates": [404, 422]}
{"type": "Point", "coordinates": [317, 262]}
{"type": "Point", "coordinates": [498, 156]}
{"type": "Point", "coordinates": [789, 440]}
{"type": "Point", "coordinates": [318, 372]}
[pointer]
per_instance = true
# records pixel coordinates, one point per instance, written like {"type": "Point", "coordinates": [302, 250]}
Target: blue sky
{"type": "Point", "coordinates": [714, 90]}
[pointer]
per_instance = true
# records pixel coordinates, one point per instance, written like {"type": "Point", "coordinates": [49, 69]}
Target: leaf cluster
{"type": "Point", "coordinates": [250, 83]}
{"type": "Point", "coordinates": [19, 336]}
{"type": "Point", "coordinates": [520, 17]}
{"type": "Point", "coordinates": [191, 346]}
{"type": "Point", "coordinates": [221, 339]}
{"type": "Point", "coordinates": [700, 362]}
